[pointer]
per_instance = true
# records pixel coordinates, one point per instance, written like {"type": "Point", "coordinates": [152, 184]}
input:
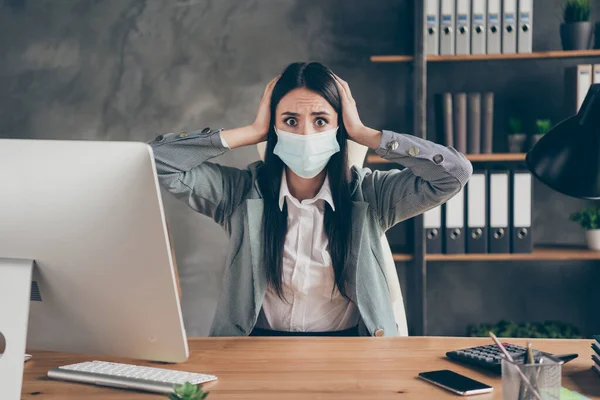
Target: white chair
{"type": "Point", "coordinates": [356, 156]}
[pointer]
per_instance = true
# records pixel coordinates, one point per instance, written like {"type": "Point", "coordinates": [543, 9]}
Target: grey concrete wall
{"type": "Point", "coordinates": [130, 69]}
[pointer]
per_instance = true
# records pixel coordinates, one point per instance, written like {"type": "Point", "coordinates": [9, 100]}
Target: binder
{"type": "Point", "coordinates": [438, 114]}
{"type": "Point", "coordinates": [478, 27]}
{"type": "Point", "coordinates": [578, 80]}
{"type": "Point", "coordinates": [463, 30]}
{"type": "Point", "coordinates": [447, 39]}
{"type": "Point", "coordinates": [460, 122]}
{"type": "Point", "coordinates": [487, 122]}
{"type": "Point", "coordinates": [596, 72]}
{"type": "Point", "coordinates": [509, 29]}
{"type": "Point", "coordinates": [443, 119]}
{"type": "Point", "coordinates": [477, 195]}
{"type": "Point", "coordinates": [454, 239]}
{"type": "Point", "coordinates": [448, 120]}
{"type": "Point", "coordinates": [521, 205]}
{"type": "Point", "coordinates": [473, 123]}
{"type": "Point", "coordinates": [432, 43]}
{"type": "Point", "coordinates": [432, 222]}
{"type": "Point", "coordinates": [499, 233]}
{"type": "Point", "coordinates": [525, 35]}
{"type": "Point", "coordinates": [493, 27]}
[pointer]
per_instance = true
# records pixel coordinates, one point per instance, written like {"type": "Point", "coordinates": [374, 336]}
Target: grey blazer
{"type": "Point", "coordinates": [231, 197]}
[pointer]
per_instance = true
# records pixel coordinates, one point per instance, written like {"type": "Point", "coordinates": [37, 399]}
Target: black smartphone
{"type": "Point", "coordinates": [455, 382]}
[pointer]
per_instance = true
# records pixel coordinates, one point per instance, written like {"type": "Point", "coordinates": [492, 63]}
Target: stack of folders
{"type": "Point", "coordinates": [578, 80]}
{"type": "Point", "coordinates": [596, 354]}
{"type": "Point", "coordinates": [491, 214]}
{"type": "Point", "coordinates": [465, 121]}
{"type": "Point", "coordinates": [455, 27]}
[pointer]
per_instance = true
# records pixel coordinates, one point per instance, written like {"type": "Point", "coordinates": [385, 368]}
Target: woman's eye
{"type": "Point", "coordinates": [291, 121]}
{"type": "Point", "coordinates": [321, 122]}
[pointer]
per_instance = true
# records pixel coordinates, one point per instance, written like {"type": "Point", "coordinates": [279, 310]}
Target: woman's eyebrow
{"type": "Point", "coordinates": [293, 114]}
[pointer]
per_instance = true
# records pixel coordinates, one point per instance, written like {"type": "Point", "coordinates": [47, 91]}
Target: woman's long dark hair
{"type": "Point", "coordinates": [317, 78]}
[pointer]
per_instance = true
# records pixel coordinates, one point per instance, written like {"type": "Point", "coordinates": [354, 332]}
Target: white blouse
{"type": "Point", "coordinates": [308, 277]}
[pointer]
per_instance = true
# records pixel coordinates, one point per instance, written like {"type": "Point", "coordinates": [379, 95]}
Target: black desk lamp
{"type": "Point", "coordinates": [567, 158]}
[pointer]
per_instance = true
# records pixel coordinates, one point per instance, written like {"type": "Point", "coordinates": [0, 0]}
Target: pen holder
{"type": "Point", "coordinates": [545, 377]}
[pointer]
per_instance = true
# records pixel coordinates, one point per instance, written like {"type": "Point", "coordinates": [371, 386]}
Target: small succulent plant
{"type": "Point", "coordinates": [543, 126]}
{"type": "Point", "coordinates": [577, 10]}
{"type": "Point", "coordinates": [588, 218]}
{"type": "Point", "coordinates": [515, 125]}
{"type": "Point", "coordinates": [188, 391]}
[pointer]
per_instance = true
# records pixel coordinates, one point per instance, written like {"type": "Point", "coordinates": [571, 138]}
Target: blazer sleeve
{"type": "Point", "coordinates": [432, 175]}
{"type": "Point", "coordinates": [184, 170]}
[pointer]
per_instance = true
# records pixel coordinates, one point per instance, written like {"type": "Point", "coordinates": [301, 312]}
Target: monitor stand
{"type": "Point", "coordinates": [15, 292]}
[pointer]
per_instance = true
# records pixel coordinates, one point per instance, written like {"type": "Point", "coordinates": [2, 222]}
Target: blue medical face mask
{"type": "Point", "coordinates": [306, 155]}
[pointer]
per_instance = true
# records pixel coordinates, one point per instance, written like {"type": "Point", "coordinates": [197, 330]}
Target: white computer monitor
{"type": "Point", "coordinates": [90, 218]}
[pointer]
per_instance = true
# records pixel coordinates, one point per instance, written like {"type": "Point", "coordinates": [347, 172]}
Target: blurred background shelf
{"type": "Point", "coordinates": [402, 257]}
{"type": "Point", "coordinates": [376, 159]}
{"type": "Point", "coordinates": [487, 57]}
{"type": "Point", "coordinates": [540, 253]}
{"type": "Point", "coordinates": [522, 87]}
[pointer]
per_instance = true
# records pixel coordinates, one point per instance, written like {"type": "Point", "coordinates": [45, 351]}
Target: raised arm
{"type": "Point", "coordinates": [432, 175]}
{"type": "Point", "coordinates": [184, 170]}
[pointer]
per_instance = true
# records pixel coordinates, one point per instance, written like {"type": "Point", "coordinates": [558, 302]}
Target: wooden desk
{"type": "Point", "coordinates": [315, 368]}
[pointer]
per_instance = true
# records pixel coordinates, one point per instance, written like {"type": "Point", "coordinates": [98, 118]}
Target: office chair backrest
{"type": "Point", "coordinates": [356, 156]}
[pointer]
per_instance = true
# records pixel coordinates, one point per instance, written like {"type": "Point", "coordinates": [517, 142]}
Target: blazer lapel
{"type": "Point", "coordinates": [359, 213]}
{"type": "Point", "coordinates": [255, 209]}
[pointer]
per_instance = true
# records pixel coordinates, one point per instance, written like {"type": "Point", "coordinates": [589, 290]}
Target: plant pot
{"type": "Point", "coordinates": [596, 37]}
{"type": "Point", "coordinates": [534, 139]}
{"type": "Point", "coordinates": [516, 142]}
{"type": "Point", "coordinates": [576, 35]}
{"type": "Point", "coordinates": [592, 238]}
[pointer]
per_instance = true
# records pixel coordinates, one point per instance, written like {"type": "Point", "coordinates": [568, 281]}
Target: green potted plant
{"type": "Point", "coordinates": [516, 136]}
{"type": "Point", "coordinates": [589, 219]}
{"type": "Point", "coordinates": [546, 329]}
{"type": "Point", "coordinates": [188, 391]}
{"type": "Point", "coordinates": [576, 29]}
{"type": "Point", "coordinates": [542, 126]}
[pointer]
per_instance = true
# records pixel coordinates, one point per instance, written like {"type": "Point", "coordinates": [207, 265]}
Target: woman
{"type": "Point", "coordinates": [304, 254]}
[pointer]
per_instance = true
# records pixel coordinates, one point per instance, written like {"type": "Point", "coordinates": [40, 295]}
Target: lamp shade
{"type": "Point", "coordinates": [567, 158]}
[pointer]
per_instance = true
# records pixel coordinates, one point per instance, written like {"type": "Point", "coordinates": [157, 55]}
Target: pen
{"type": "Point", "coordinates": [530, 359]}
{"type": "Point", "coordinates": [527, 360]}
{"type": "Point", "coordinates": [509, 358]}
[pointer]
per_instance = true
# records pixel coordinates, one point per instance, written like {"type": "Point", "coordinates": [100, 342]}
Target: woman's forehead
{"type": "Point", "coordinates": [302, 100]}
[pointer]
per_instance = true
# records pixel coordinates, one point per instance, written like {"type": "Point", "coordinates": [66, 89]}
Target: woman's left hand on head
{"type": "Point", "coordinates": [357, 131]}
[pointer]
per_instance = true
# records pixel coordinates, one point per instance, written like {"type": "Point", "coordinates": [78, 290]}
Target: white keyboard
{"type": "Point", "coordinates": [127, 376]}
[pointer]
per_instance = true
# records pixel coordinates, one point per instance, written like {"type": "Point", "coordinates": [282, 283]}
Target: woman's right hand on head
{"type": "Point", "coordinates": [256, 132]}
{"type": "Point", "coordinates": [263, 116]}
